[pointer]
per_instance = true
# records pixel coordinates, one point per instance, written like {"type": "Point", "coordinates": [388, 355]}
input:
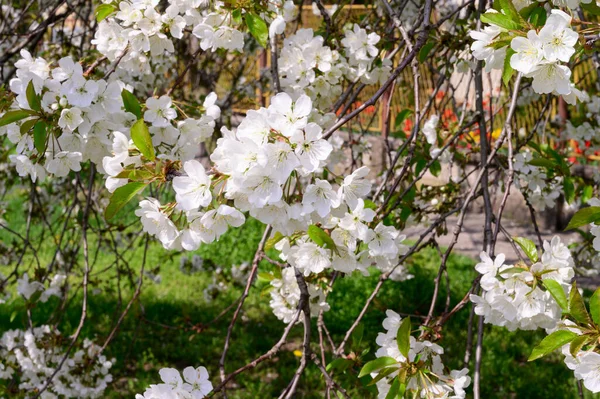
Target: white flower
{"type": "Point", "coordinates": [63, 162]}
{"type": "Point", "coordinates": [355, 187]}
{"type": "Point", "coordinates": [311, 149]}
{"type": "Point", "coordinates": [320, 197]}
{"type": "Point", "coordinates": [27, 288]}
{"type": "Point", "coordinates": [289, 116]}
{"type": "Point", "coordinates": [218, 220]}
{"type": "Point", "coordinates": [159, 111]}
{"type": "Point", "coordinates": [310, 258]}
{"type": "Point", "coordinates": [551, 77]}
{"type": "Point", "coordinates": [197, 381]}
{"type": "Point", "coordinates": [528, 52]}
{"type": "Point", "coordinates": [589, 370]}
{"type": "Point", "coordinates": [70, 118]}
{"type": "Point", "coordinates": [557, 38]}
{"type": "Point", "coordinates": [193, 190]}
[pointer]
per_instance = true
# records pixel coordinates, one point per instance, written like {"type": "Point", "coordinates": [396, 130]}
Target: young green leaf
{"type": "Point", "coordinates": [577, 344]}
{"type": "Point", "coordinates": [13, 116]}
{"type": "Point", "coordinates": [510, 10]}
{"type": "Point", "coordinates": [103, 11]}
{"type": "Point", "coordinates": [552, 342]}
{"type": "Point", "coordinates": [33, 99]}
{"type": "Point", "coordinates": [584, 216]}
{"type": "Point", "coordinates": [357, 336]}
{"type": "Point", "coordinates": [376, 364]}
{"type": "Point", "coordinates": [142, 140]}
{"type": "Point", "coordinates": [131, 103]}
{"type": "Point", "coordinates": [384, 372]}
{"type": "Point", "coordinates": [500, 20]}
{"type": "Point", "coordinates": [403, 337]}
{"type": "Point", "coordinates": [339, 364]}
{"type": "Point", "coordinates": [595, 307]}
{"type": "Point", "coordinates": [538, 17]}
{"type": "Point", "coordinates": [27, 125]}
{"type": "Point", "coordinates": [273, 240]}
{"type": "Point", "coordinates": [569, 189]}
{"type": "Point", "coordinates": [394, 389]}
{"type": "Point", "coordinates": [557, 292]}
{"type": "Point", "coordinates": [39, 137]}
{"type": "Point", "coordinates": [508, 71]}
{"type": "Point", "coordinates": [577, 306]}
{"type": "Point", "coordinates": [258, 28]}
{"type": "Point", "coordinates": [528, 248]}
{"type": "Point", "coordinates": [401, 117]}
{"type": "Point", "coordinates": [121, 197]}
{"type": "Point", "coordinates": [543, 162]}
{"type": "Point", "coordinates": [425, 50]}
{"type": "Point", "coordinates": [321, 238]}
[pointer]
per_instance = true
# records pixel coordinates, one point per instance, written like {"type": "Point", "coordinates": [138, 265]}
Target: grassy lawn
{"type": "Point", "coordinates": [169, 326]}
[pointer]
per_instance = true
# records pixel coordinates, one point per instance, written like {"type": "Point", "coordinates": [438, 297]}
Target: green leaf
{"type": "Point", "coordinates": [577, 344]}
{"type": "Point", "coordinates": [425, 50]}
{"type": "Point", "coordinates": [510, 10]}
{"type": "Point", "coordinates": [13, 116]}
{"type": "Point", "coordinates": [39, 137]}
{"type": "Point", "coordinates": [435, 168]}
{"type": "Point", "coordinates": [266, 277]}
{"type": "Point", "coordinates": [526, 11]}
{"type": "Point", "coordinates": [577, 306]}
{"type": "Point", "coordinates": [273, 240]}
{"type": "Point", "coordinates": [131, 103]}
{"type": "Point", "coordinates": [512, 270]}
{"type": "Point", "coordinates": [357, 336]}
{"type": "Point", "coordinates": [236, 15]}
{"type": "Point", "coordinates": [32, 98]}
{"type": "Point", "coordinates": [27, 125]}
{"type": "Point", "coordinates": [376, 364]}
{"type": "Point", "coordinates": [401, 117]}
{"type": "Point", "coordinates": [500, 20]}
{"type": "Point", "coordinates": [103, 11]}
{"type": "Point", "coordinates": [121, 197]}
{"type": "Point", "coordinates": [569, 189]}
{"type": "Point", "coordinates": [538, 17]}
{"type": "Point", "coordinates": [508, 71]}
{"type": "Point", "coordinates": [403, 337]}
{"type": "Point", "coordinates": [382, 374]}
{"type": "Point", "coordinates": [595, 307]}
{"type": "Point", "coordinates": [557, 292]}
{"type": "Point", "coordinates": [142, 140]}
{"type": "Point", "coordinates": [339, 364]}
{"type": "Point", "coordinates": [321, 238]}
{"type": "Point", "coordinates": [592, 8]}
{"type": "Point", "coordinates": [528, 248]}
{"type": "Point", "coordinates": [587, 194]}
{"type": "Point", "coordinates": [13, 315]}
{"type": "Point", "coordinates": [258, 28]}
{"type": "Point", "coordinates": [552, 342]}
{"type": "Point", "coordinates": [394, 389]}
{"type": "Point", "coordinates": [584, 216]}
{"type": "Point", "coordinates": [542, 162]}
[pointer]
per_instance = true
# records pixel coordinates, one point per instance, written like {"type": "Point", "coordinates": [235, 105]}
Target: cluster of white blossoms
{"type": "Point", "coordinates": [285, 297]}
{"type": "Point", "coordinates": [585, 366]}
{"type": "Point", "coordinates": [195, 384]}
{"type": "Point", "coordinates": [513, 295]}
{"type": "Point", "coordinates": [31, 356]}
{"type": "Point", "coordinates": [83, 113]}
{"type": "Point", "coordinates": [307, 66]}
{"type": "Point", "coordinates": [81, 120]}
{"type": "Point", "coordinates": [541, 191]}
{"type": "Point", "coordinates": [425, 374]}
{"type": "Point", "coordinates": [27, 288]}
{"type": "Point", "coordinates": [541, 55]}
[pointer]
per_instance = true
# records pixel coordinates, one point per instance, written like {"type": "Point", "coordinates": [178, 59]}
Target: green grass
{"type": "Point", "coordinates": [169, 325]}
